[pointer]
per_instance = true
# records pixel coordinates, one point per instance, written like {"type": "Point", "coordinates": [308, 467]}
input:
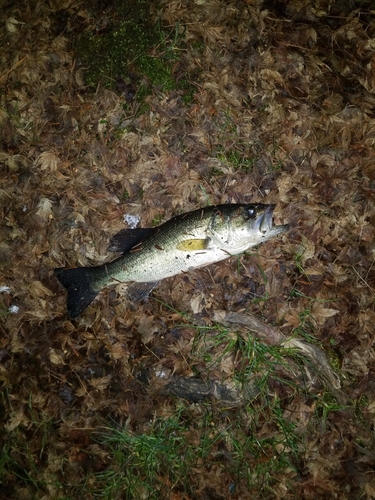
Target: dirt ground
{"type": "Point", "coordinates": [266, 361]}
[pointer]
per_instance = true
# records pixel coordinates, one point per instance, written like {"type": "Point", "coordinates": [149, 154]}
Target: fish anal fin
{"type": "Point", "coordinates": [191, 245]}
{"type": "Point", "coordinates": [126, 239]}
{"type": "Point", "coordinates": [138, 291]}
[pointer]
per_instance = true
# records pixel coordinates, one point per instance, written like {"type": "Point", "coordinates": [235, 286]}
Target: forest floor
{"type": "Point", "coordinates": [253, 378]}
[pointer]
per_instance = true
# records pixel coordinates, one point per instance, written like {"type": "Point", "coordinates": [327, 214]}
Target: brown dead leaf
{"type": "Point", "coordinates": [37, 289]}
{"type": "Point", "coordinates": [321, 313]}
{"type": "Point", "coordinates": [44, 209]}
{"type": "Point", "coordinates": [48, 160]}
{"type": "Point", "coordinates": [292, 318]}
{"type": "Point", "coordinates": [100, 383]}
{"type": "Point", "coordinates": [56, 357]}
{"type": "Point", "coordinates": [147, 327]}
{"type": "Point", "coordinates": [16, 419]}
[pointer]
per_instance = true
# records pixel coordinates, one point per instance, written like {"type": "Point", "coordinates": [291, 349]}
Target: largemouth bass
{"type": "Point", "coordinates": [183, 243]}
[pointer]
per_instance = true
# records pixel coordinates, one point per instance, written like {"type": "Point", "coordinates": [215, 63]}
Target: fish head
{"type": "Point", "coordinates": [243, 227]}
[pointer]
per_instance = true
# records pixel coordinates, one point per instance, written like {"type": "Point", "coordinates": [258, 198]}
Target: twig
{"type": "Point", "coordinates": [18, 63]}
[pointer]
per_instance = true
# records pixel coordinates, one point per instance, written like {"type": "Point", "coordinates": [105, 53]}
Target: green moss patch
{"type": "Point", "coordinates": [129, 47]}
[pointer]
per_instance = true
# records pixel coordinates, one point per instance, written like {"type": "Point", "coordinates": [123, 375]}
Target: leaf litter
{"type": "Point", "coordinates": [267, 359]}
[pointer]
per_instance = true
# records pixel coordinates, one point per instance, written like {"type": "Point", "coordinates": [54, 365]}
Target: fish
{"type": "Point", "coordinates": [185, 242]}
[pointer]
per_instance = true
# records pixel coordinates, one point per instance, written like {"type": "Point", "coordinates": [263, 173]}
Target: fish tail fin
{"type": "Point", "coordinates": [79, 283]}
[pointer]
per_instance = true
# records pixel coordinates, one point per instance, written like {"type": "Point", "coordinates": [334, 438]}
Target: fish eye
{"type": "Point", "coordinates": [250, 213]}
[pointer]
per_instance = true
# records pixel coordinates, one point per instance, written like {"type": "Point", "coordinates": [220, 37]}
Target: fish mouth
{"type": "Point", "coordinates": [265, 222]}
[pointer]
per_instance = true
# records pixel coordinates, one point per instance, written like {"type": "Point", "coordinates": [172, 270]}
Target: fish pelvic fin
{"type": "Point", "coordinates": [78, 282]}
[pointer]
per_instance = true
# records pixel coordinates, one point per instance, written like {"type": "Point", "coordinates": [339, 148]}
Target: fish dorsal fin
{"type": "Point", "coordinates": [124, 240]}
{"type": "Point", "coordinates": [193, 244]}
{"type": "Point", "coordinates": [138, 291]}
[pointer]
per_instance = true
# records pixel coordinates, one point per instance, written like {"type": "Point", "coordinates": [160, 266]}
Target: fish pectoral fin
{"type": "Point", "coordinates": [138, 291]}
{"type": "Point", "coordinates": [126, 239]}
{"type": "Point", "coordinates": [189, 245]}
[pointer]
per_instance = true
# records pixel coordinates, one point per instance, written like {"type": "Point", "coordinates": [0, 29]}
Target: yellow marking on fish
{"type": "Point", "coordinates": [192, 244]}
